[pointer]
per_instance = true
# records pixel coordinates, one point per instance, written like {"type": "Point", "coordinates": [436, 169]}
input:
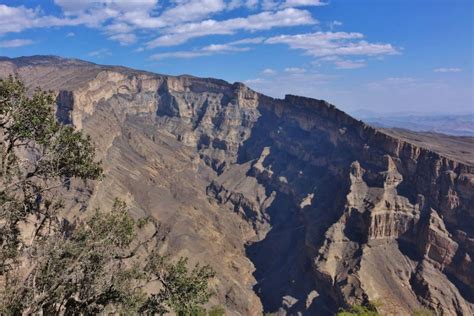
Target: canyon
{"type": "Point", "coordinates": [300, 208]}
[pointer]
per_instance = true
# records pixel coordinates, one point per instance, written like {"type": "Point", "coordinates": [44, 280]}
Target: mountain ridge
{"type": "Point", "coordinates": [46, 59]}
{"type": "Point", "coordinates": [300, 207]}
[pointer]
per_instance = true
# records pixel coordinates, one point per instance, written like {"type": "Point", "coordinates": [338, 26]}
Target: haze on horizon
{"type": "Point", "coordinates": [395, 56]}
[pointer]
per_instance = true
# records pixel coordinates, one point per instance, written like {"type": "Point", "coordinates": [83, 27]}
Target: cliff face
{"type": "Point", "coordinates": [298, 206]}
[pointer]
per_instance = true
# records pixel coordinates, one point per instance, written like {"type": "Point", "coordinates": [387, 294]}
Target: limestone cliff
{"type": "Point", "coordinates": [298, 206]}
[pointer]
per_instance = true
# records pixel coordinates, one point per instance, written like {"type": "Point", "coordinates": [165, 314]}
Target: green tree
{"type": "Point", "coordinates": [369, 309]}
{"type": "Point", "coordinates": [182, 291]}
{"type": "Point", "coordinates": [37, 156]}
{"type": "Point", "coordinates": [85, 272]}
{"type": "Point", "coordinates": [95, 265]}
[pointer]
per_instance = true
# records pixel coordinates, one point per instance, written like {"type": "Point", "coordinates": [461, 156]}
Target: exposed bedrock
{"type": "Point", "coordinates": [298, 206]}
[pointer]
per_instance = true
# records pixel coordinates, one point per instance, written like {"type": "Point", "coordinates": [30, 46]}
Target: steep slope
{"type": "Point", "coordinates": [298, 206]}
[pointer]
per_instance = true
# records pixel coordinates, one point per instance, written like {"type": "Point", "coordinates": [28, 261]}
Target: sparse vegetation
{"type": "Point", "coordinates": [369, 309]}
{"type": "Point", "coordinates": [423, 312]}
{"type": "Point", "coordinates": [49, 266]}
{"type": "Point", "coordinates": [217, 311]}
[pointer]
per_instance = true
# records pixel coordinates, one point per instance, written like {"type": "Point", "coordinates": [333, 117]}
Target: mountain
{"type": "Point", "coordinates": [299, 207]}
{"type": "Point", "coordinates": [455, 124]}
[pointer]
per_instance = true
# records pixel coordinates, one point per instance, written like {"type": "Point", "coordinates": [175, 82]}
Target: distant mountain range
{"type": "Point", "coordinates": [451, 124]}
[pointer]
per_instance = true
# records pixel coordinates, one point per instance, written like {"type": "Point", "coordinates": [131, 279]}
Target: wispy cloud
{"type": "Point", "coordinates": [447, 69]}
{"type": "Point", "coordinates": [333, 24]}
{"type": "Point", "coordinates": [253, 40]}
{"type": "Point", "coordinates": [322, 44]}
{"type": "Point", "coordinates": [174, 23]}
{"type": "Point", "coordinates": [120, 20]}
{"type": "Point", "coordinates": [124, 38]}
{"type": "Point", "coordinates": [256, 22]}
{"type": "Point", "coordinates": [15, 43]}
{"type": "Point", "coordinates": [274, 4]}
{"type": "Point", "coordinates": [349, 64]}
{"type": "Point", "coordinates": [333, 46]}
{"type": "Point", "coordinates": [204, 51]}
{"type": "Point", "coordinates": [302, 3]}
{"type": "Point", "coordinates": [100, 53]}
{"type": "Point", "coordinates": [268, 72]}
{"type": "Point", "coordinates": [295, 70]}
{"type": "Point", "coordinates": [153, 24]}
{"type": "Point", "coordinates": [255, 81]}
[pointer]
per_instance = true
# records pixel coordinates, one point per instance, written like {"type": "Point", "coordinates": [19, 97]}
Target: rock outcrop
{"type": "Point", "coordinates": [299, 207]}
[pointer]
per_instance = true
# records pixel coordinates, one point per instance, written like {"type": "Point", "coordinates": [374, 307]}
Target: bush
{"type": "Point", "coordinates": [360, 310]}
{"type": "Point", "coordinates": [90, 267]}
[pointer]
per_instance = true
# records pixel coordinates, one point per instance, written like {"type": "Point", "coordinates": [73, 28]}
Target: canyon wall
{"type": "Point", "coordinates": [299, 207]}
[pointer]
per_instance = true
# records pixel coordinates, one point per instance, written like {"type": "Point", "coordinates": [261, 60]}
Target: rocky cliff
{"type": "Point", "coordinates": [299, 207]}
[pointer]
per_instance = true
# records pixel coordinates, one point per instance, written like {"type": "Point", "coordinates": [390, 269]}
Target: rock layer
{"type": "Point", "coordinates": [298, 206]}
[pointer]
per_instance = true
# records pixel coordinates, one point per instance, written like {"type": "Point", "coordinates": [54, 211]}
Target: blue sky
{"type": "Point", "coordinates": [383, 56]}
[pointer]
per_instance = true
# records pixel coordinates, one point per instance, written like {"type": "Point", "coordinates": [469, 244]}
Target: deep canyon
{"type": "Point", "coordinates": [299, 207]}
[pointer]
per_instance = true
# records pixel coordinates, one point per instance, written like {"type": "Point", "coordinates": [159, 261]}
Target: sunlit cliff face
{"type": "Point", "coordinates": [298, 206]}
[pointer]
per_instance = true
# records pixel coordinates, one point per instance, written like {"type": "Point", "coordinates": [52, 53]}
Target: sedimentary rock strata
{"type": "Point", "coordinates": [298, 206]}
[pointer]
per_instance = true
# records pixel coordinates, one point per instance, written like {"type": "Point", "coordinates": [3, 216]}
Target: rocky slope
{"type": "Point", "coordinates": [299, 207]}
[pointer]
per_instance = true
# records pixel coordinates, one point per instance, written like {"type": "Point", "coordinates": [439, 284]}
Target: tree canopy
{"type": "Point", "coordinates": [96, 264]}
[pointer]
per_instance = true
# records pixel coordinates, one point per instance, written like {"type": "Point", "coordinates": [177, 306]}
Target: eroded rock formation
{"type": "Point", "coordinates": [298, 206]}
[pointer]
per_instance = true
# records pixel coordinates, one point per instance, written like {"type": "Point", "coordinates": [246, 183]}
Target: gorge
{"type": "Point", "coordinates": [299, 207]}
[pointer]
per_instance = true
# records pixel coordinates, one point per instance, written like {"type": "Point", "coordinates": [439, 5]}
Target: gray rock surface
{"type": "Point", "coordinates": [299, 207]}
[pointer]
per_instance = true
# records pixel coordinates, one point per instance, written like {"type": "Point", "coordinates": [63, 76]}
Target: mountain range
{"type": "Point", "coordinates": [299, 207]}
{"type": "Point", "coordinates": [451, 124]}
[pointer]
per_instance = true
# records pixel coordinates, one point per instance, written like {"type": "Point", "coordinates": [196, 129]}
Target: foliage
{"type": "Point", "coordinates": [37, 156]}
{"type": "Point", "coordinates": [90, 267]}
{"type": "Point", "coordinates": [217, 311]}
{"type": "Point", "coordinates": [423, 312]}
{"type": "Point", "coordinates": [82, 273]}
{"type": "Point", "coordinates": [360, 310]}
{"type": "Point", "coordinates": [183, 291]}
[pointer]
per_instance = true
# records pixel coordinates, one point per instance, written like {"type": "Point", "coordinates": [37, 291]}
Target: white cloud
{"type": "Point", "coordinates": [301, 3]}
{"type": "Point", "coordinates": [192, 10]}
{"type": "Point", "coordinates": [234, 4]}
{"type": "Point", "coordinates": [274, 4]}
{"type": "Point", "coordinates": [270, 4]}
{"type": "Point", "coordinates": [204, 51]}
{"type": "Point", "coordinates": [100, 53]}
{"type": "Point", "coordinates": [179, 54]}
{"type": "Point", "coordinates": [254, 81]}
{"type": "Point", "coordinates": [224, 48]}
{"type": "Point", "coordinates": [295, 70]}
{"type": "Point", "coordinates": [251, 4]}
{"type": "Point", "coordinates": [15, 43]}
{"type": "Point", "coordinates": [322, 44]}
{"type": "Point", "coordinates": [124, 39]}
{"type": "Point", "coordinates": [333, 24]}
{"type": "Point", "coordinates": [256, 22]}
{"type": "Point", "coordinates": [70, 34]}
{"type": "Point", "coordinates": [268, 72]}
{"type": "Point", "coordinates": [119, 19]}
{"type": "Point", "coordinates": [349, 64]}
{"type": "Point", "coordinates": [16, 19]}
{"type": "Point", "coordinates": [254, 40]}
{"type": "Point", "coordinates": [230, 47]}
{"type": "Point", "coordinates": [447, 70]}
{"type": "Point", "coordinates": [178, 21]}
